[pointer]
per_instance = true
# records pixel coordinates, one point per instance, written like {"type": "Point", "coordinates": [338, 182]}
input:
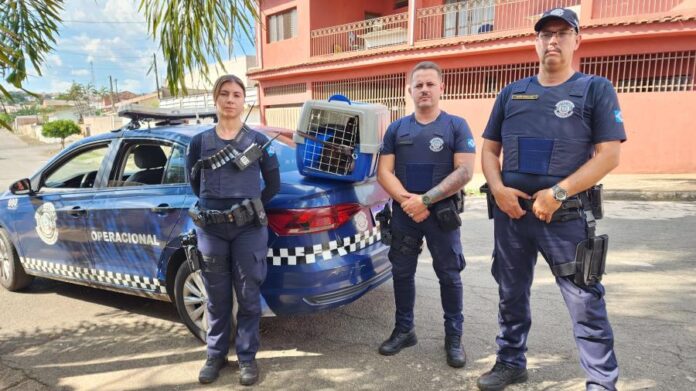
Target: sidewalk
{"type": "Point", "coordinates": [637, 187]}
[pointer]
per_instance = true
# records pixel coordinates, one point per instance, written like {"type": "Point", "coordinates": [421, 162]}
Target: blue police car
{"type": "Point", "coordinates": [108, 212]}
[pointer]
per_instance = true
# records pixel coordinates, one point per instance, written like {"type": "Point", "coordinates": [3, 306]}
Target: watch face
{"type": "Point", "coordinates": [559, 194]}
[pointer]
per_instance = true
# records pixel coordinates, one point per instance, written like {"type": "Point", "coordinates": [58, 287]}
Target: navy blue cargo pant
{"type": "Point", "coordinates": [233, 258]}
{"type": "Point", "coordinates": [517, 243]}
{"type": "Point", "coordinates": [448, 262]}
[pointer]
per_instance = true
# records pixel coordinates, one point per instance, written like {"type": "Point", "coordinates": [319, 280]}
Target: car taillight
{"type": "Point", "coordinates": [302, 221]}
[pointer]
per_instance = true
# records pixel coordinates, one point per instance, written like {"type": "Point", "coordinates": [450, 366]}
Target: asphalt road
{"type": "Point", "coordinates": [61, 336]}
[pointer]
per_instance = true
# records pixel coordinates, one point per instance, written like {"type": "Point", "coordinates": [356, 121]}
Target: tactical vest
{"type": "Point", "coordinates": [227, 181]}
{"type": "Point", "coordinates": [544, 134]}
{"type": "Point", "coordinates": [425, 156]}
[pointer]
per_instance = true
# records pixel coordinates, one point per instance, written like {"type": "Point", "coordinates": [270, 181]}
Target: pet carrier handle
{"type": "Point", "coordinates": [341, 98]}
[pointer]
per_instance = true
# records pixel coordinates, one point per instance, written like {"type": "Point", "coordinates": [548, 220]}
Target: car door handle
{"type": "Point", "coordinates": [77, 211]}
{"type": "Point", "coordinates": [162, 209]}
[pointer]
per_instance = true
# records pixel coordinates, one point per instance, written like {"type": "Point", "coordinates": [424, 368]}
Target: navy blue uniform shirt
{"type": "Point", "coordinates": [268, 163]}
{"type": "Point", "coordinates": [462, 142]}
{"type": "Point", "coordinates": [601, 113]}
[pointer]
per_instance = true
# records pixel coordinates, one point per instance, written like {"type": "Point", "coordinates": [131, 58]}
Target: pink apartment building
{"type": "Point", "coordinates": [311, 49]}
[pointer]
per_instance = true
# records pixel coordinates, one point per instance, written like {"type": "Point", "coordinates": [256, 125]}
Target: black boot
{"type": "Point", "coordinates": [211, 369]}
{"type": "Point", "coordinates": [500, 377]}
{"type": "Point", "coordinates": [397, 341]}
{"type": "Point", "coordinates": [248, 372]}
{"type": "Point", "coordinates": [456, 356]}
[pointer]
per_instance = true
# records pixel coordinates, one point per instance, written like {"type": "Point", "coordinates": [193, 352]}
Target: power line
{"type": "Point", "coordinates": [95, 55]}
{"type": "Point", "coordinates": [102, 21]}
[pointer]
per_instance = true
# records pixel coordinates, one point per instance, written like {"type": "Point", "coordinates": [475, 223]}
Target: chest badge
{"type": "Point", "coordinates": [46, 217]}
{"type": "Point", "coordinates": [564, 109]}
{"type": "Point", "coordinates": [436, 144]}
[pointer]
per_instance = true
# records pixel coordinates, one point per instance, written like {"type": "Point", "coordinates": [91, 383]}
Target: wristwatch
{"type": "Point", "coordinates": [559, 193]}
{"type": "Point", "coordinates": [427, 201]}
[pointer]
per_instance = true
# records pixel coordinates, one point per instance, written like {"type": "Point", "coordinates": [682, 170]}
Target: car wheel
{"type": "Point", "coordinates": [191, 301]}
{"type": "Point", "coordinates": [12, 274]}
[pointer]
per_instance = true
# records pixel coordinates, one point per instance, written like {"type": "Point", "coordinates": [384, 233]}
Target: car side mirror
{"type": "Point", "coordinates": [21, 187]}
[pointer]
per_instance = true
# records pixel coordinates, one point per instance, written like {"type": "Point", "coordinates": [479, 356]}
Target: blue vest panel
{"type": "Point", "coordinates": [424, 155]}
{"type": "Point", "coordinates": [227, 181]}
{"type": "Point", "coordinates": [544, 132]}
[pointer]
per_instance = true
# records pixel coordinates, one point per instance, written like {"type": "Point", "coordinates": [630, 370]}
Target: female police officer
{"type": "Point", "coordinates": [233, 237]}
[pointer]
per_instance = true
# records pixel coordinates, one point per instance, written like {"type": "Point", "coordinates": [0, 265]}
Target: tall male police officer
{"type": "Point", "coordinates": [560, 132]}
{"type": "Point", "coordinates": [232, 235]}
{"type": "Point", "coordinates": [426, 159]}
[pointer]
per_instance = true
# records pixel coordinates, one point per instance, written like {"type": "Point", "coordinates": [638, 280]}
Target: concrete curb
{"type": "Point", "coordinates": [644, 195]}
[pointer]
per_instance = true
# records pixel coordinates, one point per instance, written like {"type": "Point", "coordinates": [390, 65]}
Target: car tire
{"type": "Point", "coordinates": [12, 274]}
{"type": "Point", "coordinates": [191, 302]}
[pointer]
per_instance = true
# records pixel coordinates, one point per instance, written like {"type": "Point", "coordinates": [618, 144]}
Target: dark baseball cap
{"type": "Point", "coordinates": [564, 14]}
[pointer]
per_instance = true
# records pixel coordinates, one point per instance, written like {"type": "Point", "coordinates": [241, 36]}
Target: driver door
{"type": "Point", "coordinates": [51, 224]}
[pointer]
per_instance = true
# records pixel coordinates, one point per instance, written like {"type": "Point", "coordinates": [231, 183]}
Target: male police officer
{"type": "Point", "coordinates": [426, 159]}
{"type": "Point", "coordinates": [560, 132]}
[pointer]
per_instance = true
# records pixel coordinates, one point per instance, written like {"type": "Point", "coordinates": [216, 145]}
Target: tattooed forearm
{"type": "Point", "coordinates": [451, 184]}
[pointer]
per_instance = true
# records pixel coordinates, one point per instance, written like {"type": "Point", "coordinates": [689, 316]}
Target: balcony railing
{"type": "Point", "coordinates": [477, 17]}
{"type": "Point", "coordinates": [607, 9]}
{"type": "Point", "coordinates": [373, 33]}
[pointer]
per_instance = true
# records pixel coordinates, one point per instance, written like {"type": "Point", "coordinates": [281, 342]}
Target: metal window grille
{"type": "Point", "coordinates": [483, 82]}
{"type": "Point", "coordinates": [330, 141]}
{"type": "Point", "coordinates": [388, 90]}
{"type": "Point", "coordinates": [286, 89]}
{"type": "Point", "coordinates": [646, 72]}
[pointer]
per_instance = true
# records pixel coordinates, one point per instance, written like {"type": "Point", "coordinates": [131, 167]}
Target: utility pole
{"type": "Point", "coordinates": [111, 84]}
{"type": "Point", "coordinates": [91, 66]}
{"type": "Point", "coordinates": [117, 96]}
{"type": "Point", "coordinates": [154, 59]}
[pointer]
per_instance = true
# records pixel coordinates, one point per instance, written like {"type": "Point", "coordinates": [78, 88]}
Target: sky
{"type": "Point", "coordinates": [102, 38]}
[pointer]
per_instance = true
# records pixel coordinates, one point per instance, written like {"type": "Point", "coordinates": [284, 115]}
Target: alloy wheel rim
{"type": "Point", "coordinates": [4, 261]}
{"type": "Point", "coordinates": [196, 300]}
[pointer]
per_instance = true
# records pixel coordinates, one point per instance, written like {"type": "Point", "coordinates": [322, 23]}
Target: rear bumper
{"type": "Point", "coordinates": [292, 289]}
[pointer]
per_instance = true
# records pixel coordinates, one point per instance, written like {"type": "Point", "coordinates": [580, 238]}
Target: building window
{"type": "Point", "coordinates": [647, 72]}
{"type": "Point", "coordinates": [470, 17]}
{"type": "Point", "coordinates": [282, 25]}
{"type": "Point", "coordinates": [285, 89]}
{"type": "Point", "coordinates": [483, 82]}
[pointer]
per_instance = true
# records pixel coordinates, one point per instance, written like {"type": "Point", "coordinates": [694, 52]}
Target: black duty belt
{"type": "Point", "coordinates": [241, 214]}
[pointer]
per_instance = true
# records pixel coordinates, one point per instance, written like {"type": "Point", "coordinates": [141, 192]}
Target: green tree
{"type": "Point", "coordinates": [61, 129]}
{"type": "Point", "coordinates": [102, 92]}
{"type": "Point", "coordinates": [76, 93]}
{"type": "Point", "coordinates": [6, 118]}
{"type": "Point", "coordinates": [189, 32]}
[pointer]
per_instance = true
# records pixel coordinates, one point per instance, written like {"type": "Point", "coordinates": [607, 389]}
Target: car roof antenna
{"type": "Point", "coordinates": [249, 112]}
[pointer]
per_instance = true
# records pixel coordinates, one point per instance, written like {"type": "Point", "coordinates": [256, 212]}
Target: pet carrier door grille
{"type": "Point", "coordinates": [331, 141]}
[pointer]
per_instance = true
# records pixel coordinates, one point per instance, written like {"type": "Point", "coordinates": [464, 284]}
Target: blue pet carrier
{"type": "Point", "coordinates": [339, 139]}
